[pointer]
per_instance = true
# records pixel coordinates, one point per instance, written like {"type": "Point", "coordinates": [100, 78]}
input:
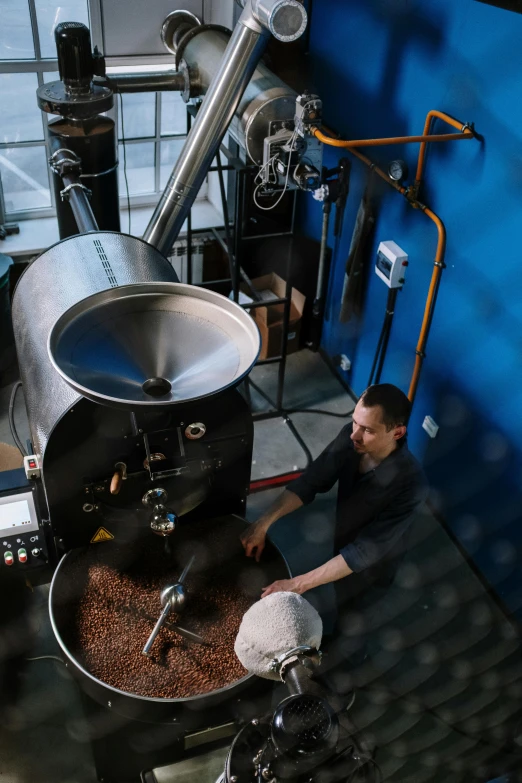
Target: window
{"type": "Point", "coordinates": [26, 61]}
{"type": "Point", "coordinates": [154, 125]}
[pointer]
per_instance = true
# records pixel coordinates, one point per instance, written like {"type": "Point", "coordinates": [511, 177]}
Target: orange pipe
{"type": "Point", "coordinates": [465, 130]}
{"type": "Point", "coordinates": [378, 171]}
{"type": "Point", "coordinates": [424, 139]}
{"type": "Point", "coordinates": [428, 309]}
{"type": "Point", "coordinates": [437, 269]}
{"type": "Point", "coordinates": [465, 133]}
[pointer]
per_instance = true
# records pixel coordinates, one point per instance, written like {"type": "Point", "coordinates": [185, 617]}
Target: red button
{"type": "Point", "coordinates": [9, 559]}
{"type": "Point", "coordinates": [32, 463]}
{"type": "Point", "coordinates": [22, 555]}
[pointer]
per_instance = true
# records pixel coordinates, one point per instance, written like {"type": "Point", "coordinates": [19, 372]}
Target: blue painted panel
{"type": "Point", "coordinates": [379, 67]}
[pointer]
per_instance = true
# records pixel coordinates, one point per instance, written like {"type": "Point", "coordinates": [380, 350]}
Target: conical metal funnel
{"type": "Point", "coordinates": [153, 344]}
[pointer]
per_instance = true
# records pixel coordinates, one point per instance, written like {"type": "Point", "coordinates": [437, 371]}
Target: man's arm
{"type": "Point", "coordinates": [253, 539]}
{"type": "Point", "coordinates": [323, 472]}
{"type": "Point", "coordinates": [320, 476]}
{"type": "Point", "coordinates": [331, 571]}
{"type": "Point", "coordinates": [374, 543]}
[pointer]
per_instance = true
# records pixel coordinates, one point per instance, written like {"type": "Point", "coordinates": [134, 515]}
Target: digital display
{"type": "Point", "coordinates": [384, 264]}
{"type": "Point", "coordinates": [17, 513]}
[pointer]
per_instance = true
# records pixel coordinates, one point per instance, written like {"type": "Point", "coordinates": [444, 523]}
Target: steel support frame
{"type": "Point", "coordinates": [233, 246]}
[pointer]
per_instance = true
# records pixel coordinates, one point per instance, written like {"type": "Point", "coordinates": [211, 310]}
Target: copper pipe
{"type": "Point", "coordinates": [430, 300]}
{"type": "Point", "coordinates": [437, 269]}
{"type": "Point", "coordinates": [411, 195]}
{"type": "Point", "coordinates": [378, 171]}
{"type": "Point", "coordinates": [466, 134]}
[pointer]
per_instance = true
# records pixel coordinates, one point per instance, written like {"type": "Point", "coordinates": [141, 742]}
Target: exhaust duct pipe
{"type": "Point", "coordinates": [286, 20]}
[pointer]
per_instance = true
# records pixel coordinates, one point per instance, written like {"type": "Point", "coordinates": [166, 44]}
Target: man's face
{"type": "Point", "coordinates": [369, 434]}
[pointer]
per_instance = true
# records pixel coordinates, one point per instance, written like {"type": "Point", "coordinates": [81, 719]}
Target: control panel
{"type": "Point", "coordinates": [22, 541]}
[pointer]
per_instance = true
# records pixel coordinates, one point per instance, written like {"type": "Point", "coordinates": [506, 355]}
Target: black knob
{"type": "Point", "coordinates": [73, 46]}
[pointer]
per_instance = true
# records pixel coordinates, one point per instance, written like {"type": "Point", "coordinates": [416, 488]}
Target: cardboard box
{"type": "Point", "coordinates": [270, 319]}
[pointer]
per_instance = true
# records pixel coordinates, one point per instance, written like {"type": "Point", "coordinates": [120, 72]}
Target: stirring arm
{"type": "Point", "coordinates": [163, 616]}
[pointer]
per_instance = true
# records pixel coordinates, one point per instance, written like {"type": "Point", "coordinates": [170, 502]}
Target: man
{"type": "Point", "coordinates": [381, 484]}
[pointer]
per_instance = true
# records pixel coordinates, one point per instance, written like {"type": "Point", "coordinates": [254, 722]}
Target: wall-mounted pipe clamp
{"type": "Point", "coordinates": [65, 193]}
{"type": "Point", "coordinates": [70, 163]}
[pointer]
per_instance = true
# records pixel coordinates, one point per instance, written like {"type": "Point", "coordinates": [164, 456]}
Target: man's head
{"type": "Point", "coordinates": [380, 419]}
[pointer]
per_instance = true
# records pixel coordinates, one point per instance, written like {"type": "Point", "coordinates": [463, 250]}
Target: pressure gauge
{"type": "Point", "coordinates": [398, 170]}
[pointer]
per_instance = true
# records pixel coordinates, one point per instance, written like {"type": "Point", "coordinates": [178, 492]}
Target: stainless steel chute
{"type": "Point", "coordinates": [153, 344]}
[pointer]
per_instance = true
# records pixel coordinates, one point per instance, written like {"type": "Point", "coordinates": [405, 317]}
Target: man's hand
{"type": "Point", "coordinates": [253, 539]}
{"type": "Point", "coordinates": [283, 586]}
{"type": "Point", "coordinates": [331, 571]}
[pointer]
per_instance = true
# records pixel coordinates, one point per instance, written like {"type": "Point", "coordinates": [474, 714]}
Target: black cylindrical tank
{"type": "Point", "coordinates": [94, 141]}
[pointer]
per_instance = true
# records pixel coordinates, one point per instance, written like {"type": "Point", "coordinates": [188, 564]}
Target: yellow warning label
{"type": "Point", "coordinates": [101, 535]}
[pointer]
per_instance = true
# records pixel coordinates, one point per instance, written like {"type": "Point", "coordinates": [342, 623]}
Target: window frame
{"type": "Point", "coordinates": [40, 66]}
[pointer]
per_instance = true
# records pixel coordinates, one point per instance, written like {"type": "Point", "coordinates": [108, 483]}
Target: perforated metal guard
{"type": "Point", "coordinates": [306, 719]}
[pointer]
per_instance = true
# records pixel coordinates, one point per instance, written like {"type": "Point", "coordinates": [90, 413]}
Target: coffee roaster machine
{"type": "Point", "coordinates": [137, 427]}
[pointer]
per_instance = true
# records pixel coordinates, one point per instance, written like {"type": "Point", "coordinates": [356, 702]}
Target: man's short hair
{"type": "Point", "coordinates": [395, 405]}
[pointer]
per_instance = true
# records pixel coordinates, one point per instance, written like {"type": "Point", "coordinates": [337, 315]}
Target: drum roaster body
{"type": "Point", "coordinates": [79, 442]}
{"type": "Point", "coordinates": [130, 734]}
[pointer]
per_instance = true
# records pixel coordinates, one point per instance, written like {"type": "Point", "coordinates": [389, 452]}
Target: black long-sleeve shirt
{"type": "Point", "coordinates": [374, 509]}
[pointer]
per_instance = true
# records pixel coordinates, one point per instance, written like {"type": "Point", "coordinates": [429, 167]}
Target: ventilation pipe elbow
{"type": "Point", "coordinates": [284, 19]}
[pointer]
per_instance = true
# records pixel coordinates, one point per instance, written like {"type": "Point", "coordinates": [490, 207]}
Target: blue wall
{"type": "Point", "coordinates": [380, 66]}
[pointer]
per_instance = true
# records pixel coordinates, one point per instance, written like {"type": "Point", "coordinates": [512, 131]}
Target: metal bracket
{"type": "Point", "coordinates": [64, 194]}
{"type": "Point", "coordinates": [71, 163]}
{"type": "Point", "coordinates": [276, 664]}
{"type": "Point", "coordinates": [63, 149]}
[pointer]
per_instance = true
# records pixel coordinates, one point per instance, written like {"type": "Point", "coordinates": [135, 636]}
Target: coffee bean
{"type": "Point", "coordinates": [119, 603]}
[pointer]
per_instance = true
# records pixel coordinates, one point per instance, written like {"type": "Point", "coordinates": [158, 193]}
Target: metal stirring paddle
{"type": "Point", "coordinates": [173, 598]}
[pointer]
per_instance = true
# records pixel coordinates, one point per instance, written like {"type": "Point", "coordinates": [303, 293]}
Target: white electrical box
{"type": "Point", "coordinates": [391, 264]}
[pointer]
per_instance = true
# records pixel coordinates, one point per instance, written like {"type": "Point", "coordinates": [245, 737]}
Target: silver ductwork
{"type": "Point", "coordinates": [266, 98]}
{"type": "Point", "coordinates": [286, 19]}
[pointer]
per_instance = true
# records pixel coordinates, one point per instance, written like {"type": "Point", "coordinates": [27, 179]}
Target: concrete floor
{"type": "Point", "coordinates": [439, 693]}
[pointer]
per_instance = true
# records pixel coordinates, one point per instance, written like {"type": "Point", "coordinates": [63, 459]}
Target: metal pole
{"type": "Point", "coordinates": [322, 256]}
{"type": "Point", "coordinates": [147, 82]}
{"type": "Point", "coordinates": [284, 336]}
{"type": "Point", "coordinates": [286, 20]}
{"type": "Point", "coordinates": [238, 230]}
{"type": "Point", "coordinates": [189, 247]}
{"type": "Point", "coordinates": [189, 221]}
{"type": "Point", "coordinates": [67, 165]}
{"type": "Point", "coordinates": [241, 57]}
{"type": "Point", "coordinates": [80, 205]}
{"type": "Point", "coordinates": [224, 206]}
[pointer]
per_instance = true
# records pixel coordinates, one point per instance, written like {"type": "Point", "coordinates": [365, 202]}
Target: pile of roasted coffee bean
{"type": "Point", "coordinates": [117, 606]}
